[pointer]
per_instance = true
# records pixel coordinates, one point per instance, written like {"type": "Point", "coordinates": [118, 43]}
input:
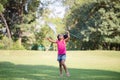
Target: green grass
{"type": "Point", "coordinates": [37, 65]}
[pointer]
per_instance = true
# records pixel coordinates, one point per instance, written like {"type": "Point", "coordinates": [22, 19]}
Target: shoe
{"type": "Point", "coordinates": [68, 74]}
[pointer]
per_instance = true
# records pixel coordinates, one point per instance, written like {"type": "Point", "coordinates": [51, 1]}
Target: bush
{"type": "Point", "coordinates": [6, 44]}
{"type": "Point", "coordinates": [1, 45]}
{"type": "Point", "coordinates": [34, 47]}
{"type": "Point", "coordinates": [16, 46]}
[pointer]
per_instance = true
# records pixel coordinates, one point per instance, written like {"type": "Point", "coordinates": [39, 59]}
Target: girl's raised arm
{"type": "Point", "coordinates": [51, 40]}
{"type": "Point", "coordinates": [67, 39]}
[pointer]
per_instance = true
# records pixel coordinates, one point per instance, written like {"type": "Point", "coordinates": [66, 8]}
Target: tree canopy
{"type": "Point", "coordinates": [93, 24]}
{"type": "Point", "coordinates": [96, 23]}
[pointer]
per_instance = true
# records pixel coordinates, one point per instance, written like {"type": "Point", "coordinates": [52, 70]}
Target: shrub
{"type": "Point", "coordinates": [16, 46]}
{"type": "Point", "coordinates": [8, 44]}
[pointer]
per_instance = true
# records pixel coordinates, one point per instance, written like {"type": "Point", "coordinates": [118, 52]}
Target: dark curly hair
{"type": "Point", "coordinates": [64, 35]}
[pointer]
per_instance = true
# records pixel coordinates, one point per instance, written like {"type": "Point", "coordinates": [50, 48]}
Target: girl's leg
{"type": "Point", "coordinates": [65, 68]}
{"type": "Point", "coordinates": [60, 68]}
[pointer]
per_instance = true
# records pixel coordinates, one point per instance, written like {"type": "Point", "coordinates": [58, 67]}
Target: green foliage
{"type": "Point", "coordinates": [2, 3]}
{"type": "Point", "coordinates": [33, 5]}
{"type": "Point", "coordinates": [16, 46]}
{"type": "Point", "coordinates": [42, 34]}
{"type": "Point", "coordinates": [97, 24]}
{"type": "Point", "coordinates": [6, 44]}
{"type": "Point", "coordinates": [1, 8]}
{"type": "Point", "coordinates": [1, 45]}
{"type": "Point", "coordinates": [34, 47]}
{"type": "Point", "coordinates": [18, 18]}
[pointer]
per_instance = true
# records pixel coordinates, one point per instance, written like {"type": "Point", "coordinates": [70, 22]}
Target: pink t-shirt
{"type": "Point", "coordinates": [61, 46]}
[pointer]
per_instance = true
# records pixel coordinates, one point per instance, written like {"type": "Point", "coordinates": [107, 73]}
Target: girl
{"type": "Point", "coordinates": [61, 45]}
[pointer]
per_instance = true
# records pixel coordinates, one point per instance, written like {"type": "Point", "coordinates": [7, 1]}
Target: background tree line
{"type": "Point", "coordinates": [93, 24]}
{"type": "Point", "coordinates": [18, 25]}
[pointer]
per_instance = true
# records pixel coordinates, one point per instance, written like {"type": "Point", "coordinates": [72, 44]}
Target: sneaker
{"type": "Point", "coordinates": [68, 74]}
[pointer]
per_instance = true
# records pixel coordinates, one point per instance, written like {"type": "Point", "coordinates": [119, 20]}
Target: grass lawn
{"type": "Point", "coordinates": [38, 65]}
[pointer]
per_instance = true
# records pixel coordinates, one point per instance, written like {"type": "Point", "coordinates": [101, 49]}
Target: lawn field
{"type": "Point", "coordinates": [42, 65]}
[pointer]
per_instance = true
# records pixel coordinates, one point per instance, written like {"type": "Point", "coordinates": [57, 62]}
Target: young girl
{"type": "Point", "coordinates": [61, 45]}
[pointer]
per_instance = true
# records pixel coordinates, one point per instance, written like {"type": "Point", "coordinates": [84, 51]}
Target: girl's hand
{"type": "Point", "coordinates": [48, 38]}
{"type": "Point", "coordinates": [67, 39]}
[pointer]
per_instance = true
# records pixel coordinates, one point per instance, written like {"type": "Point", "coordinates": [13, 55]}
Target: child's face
{"type": "Point", "coordinates": [61, 36]}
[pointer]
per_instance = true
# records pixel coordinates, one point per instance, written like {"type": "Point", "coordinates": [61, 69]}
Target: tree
{"type": "Point", "coordinates": [97, 24]}
{"type": "Point", "coordinates": [18, 18]}
{"type": "Point", "coordinates": [2, 3]}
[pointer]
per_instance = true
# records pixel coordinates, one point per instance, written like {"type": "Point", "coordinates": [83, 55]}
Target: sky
{"type": "Point", "coordinates": [57, 8]}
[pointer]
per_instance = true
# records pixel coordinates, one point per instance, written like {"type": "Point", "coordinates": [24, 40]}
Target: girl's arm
{"type": "Point", "coordinates": [51, 40]}
{"type": "Point", "coordinates": [67, 39]}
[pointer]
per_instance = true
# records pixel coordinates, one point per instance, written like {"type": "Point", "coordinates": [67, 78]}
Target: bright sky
{"type": "Point", "coordinates": [57, 8]}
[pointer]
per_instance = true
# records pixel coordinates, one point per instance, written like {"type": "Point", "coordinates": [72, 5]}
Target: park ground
{"type": "Point", "coordinates": [42, 65]}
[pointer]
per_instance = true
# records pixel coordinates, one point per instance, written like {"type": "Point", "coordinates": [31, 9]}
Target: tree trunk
{"type": "Point", "coordinates": [6, 25]}
{"type": "Point", "coordinates": [20, 41]}
{"type": "Point", "coordinates": [20, 12]}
